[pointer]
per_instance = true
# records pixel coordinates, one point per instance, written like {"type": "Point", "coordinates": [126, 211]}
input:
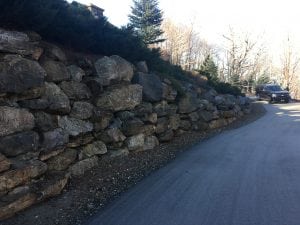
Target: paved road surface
{"type": "Point", "coordinates": [247, 176]}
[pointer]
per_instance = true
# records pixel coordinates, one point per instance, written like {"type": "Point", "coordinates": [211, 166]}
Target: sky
{"type": "Point", "coordinates": [271, 20]}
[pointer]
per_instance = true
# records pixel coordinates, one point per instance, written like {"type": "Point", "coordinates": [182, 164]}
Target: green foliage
{"type": "Point", "coordinates": [73, 26]}
{"type": "Point", "coordinates": [145, 20]}
{"type": "Point", "coordinates": [209, 69]}
{"type": "Point", "coordinates": [226, 88]}
{"type": "Point", "coordinates": [263, 79]}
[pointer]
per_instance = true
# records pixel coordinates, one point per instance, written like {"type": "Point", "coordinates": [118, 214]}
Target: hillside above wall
{"type": "Point", "coordinates": [60, 114]}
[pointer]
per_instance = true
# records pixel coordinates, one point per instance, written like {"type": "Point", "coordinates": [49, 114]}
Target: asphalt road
{"type": "Point", "coordinates": [246, 176]}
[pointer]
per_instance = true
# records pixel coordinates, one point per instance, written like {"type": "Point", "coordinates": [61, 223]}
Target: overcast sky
{"type": "Point", "coordinates": [273, 20]}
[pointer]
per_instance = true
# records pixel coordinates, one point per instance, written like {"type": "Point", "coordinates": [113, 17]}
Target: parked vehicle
{"type": "Point", "coordinates": [272, 93]}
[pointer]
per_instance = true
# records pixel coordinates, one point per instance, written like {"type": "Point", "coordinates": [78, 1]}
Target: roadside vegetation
{"type": "Point", "coordinates": [73, 26]}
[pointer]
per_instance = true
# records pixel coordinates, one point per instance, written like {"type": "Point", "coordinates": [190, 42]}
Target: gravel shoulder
{"type": "Point", "coordinates": [84, 196]}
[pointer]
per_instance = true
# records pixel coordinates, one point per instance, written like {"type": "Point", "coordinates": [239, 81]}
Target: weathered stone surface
{"type": "Point", "coordinates": [35, 104]}
{"type": "Point", "coordinates": [74, 126]}
{"type": "Point", "coordinates": [51, 186]}
{"type": "Point", "coordinates": [215, 124]}
{"type": "Point", "coordinates": [20, 143]}
{"type": "Point", "coordinates": [228, 114]}
{"type": "Point", "coordinates": [75, 90]}
{"type": "Point", "coordinates": [4, 163]}
{"type": "Point", "coordinates": [166, 136]}
{"type": "Point", "coordinates": [82, 110]}
{"type": "Point", "coordinates": [55, 139]}
{"type": "Point", "coordinates": [142, 67]}
{"type": "Point", "coordinates": [13, 207]}
{"type": "Point", "coordinates": [94, 84]}
{"type": "Point", "coordinates": [152, 118]}
{"type": "Point", "coordinates": [116, 123]}
{"type": "Point", "coordinates": [18, 74]}
{"type": "Point", "coordinates": [194, 116]}
{"type": "Point", "coordinates": [143, 109]}
{"type": "Point", "coordinates": [135, 142]}
{"type": "Point", "coordinates": [163, 109]}
{"type": "Point", "coordinates": [113, 68]}
{"type": "Point", "coordinates": [149, 130]}
{"type": "Point", "coordinates": [125, 115]}
{"type": "Point", "coordinates": [205, 116]}
{"type": "Point", "coordinates": [44, 121]}
{"type": "Point", "coordinates": [57, 99]}
{"type": "Point", "coordinates": [54, 52]}
{"type": "Point", "coordinates": [80, 140]}
{"type": "Point", "coordinates": [169, 93]}
{"type": "Point", "coordinates": [81, 167]}
{"type": "Point", "coordinates": [96, 148]}
{"type": "Point", "coordinates": [14, 120]}
{"type": "Point", "coordinates": [13, 178]}
{"type": "Point", "coordinates": [76, 73]}
{"type": "Point", "coordinates": [101, 119]}
{"type": "Point", "coordinates": [152, 86]}
{"type": "Point", "coordinates": [185, 125]}
{"type": "Point", "coordinates": [16, 42]}
{"type": "Point", "coordinates": [150, 143]}
{"type": "Point", "coordinates": [162, 125]}
{"type": "Point", "coordinates": [56, 71]}
{"type": "Point", "coordinates": [121, 98]}
{"type": "Point", "coordinates": [200, 126]}
{"type": "Point", "coordinates": [132, 127]}
{"type": "Point", "coordinates": [118, 153]}
{"type": "Point", "coordinates": [210, 95]}
{"type": "Point", "coordinates": [49, 154]}
{"type": "Point", "coordinates": [112, 135]}
{"type": "Point", "coordinates": [174, 122]}
{"type": "Point", "coordinates": [124, 68]}
{"type": "Point", "coordinates": [187, 104]}
{"type": "Point", "coordinates": [63, 160]}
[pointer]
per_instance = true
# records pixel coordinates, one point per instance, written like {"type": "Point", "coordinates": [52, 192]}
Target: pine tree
{"type": "Point", "coordinates": [146, 19]}
{"type": "Point", "coordinates": [210, 69]}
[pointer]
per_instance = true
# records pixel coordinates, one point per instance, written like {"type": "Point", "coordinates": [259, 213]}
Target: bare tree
{"type": "Point", "coordinates": [184, 46]}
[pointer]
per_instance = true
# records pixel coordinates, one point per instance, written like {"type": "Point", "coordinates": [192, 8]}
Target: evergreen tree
{"type": "Point", "coordinates": [146, 19]}
{"type": "Point", "coordinates": [210, 69]}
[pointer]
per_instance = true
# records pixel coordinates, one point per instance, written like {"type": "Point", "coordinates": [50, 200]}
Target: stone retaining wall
{"type": "Point", "coordinates": [59, 118]}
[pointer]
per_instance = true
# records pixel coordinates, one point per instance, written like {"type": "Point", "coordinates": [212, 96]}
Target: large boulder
{"type": "Point", "coordinates": [57, 100]}
{"type": "Point", "coordinates": [63, 160]}
{"type": "Point", "coordinates": [18, 74]}
{"type": "Point", "coordinates": [82, 110]}
{"type": "Point", "coordinates": [81, 167]}
{"type": "Point", "coordinates": [150, 143]}
{"type": "Point", "coordinates": [54, 52]}
{"type": "Point", "coordinates": [169, 93]}
{"type": "Point", "coordinates": [21, 175]}
{"type": "Point", "coordinates": [96, 148]}
{"type": "Point", "coordinates": [14, 120]}
{"type": "Point", "coordinates": [188, 104]}
{"type": "Point", "coordinates": [20, 143]}
{"type": "Point", "coordinates": [152, 86]}
{"type": "Point", "coordinates": [44, 121]}
{"type": "Point", "coordinates": [113, 68]}
{"type": "Point", "coordinates": [76, 73]}
{"type": "Point", "coordinates": [135, 142]}
{"type": "Point", "coordinates": [101, 118]}
{"type": "Point", "coordinates": [75, 90]}
{"type": "Point", "coordinates": [142, 67]}
{"type": "Point", "coordinates": [54, 139]}
{"type": "Point", "coordinates": [112, 135]}
{"type": "Point", "coordinates": [56, 71]}
{"type": "Point", "coordinates": [163, 108]}
{"type": "Point", "coordinates": [4, 163]}
{"type": "Point", "coordinates": [16, 42]}
{"type": "Point", "coordinates": [121, 98]}
{"type": "Point", "coordinates": [74, 126]}
{"type": "Point", "coordinates": [132, 127]}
